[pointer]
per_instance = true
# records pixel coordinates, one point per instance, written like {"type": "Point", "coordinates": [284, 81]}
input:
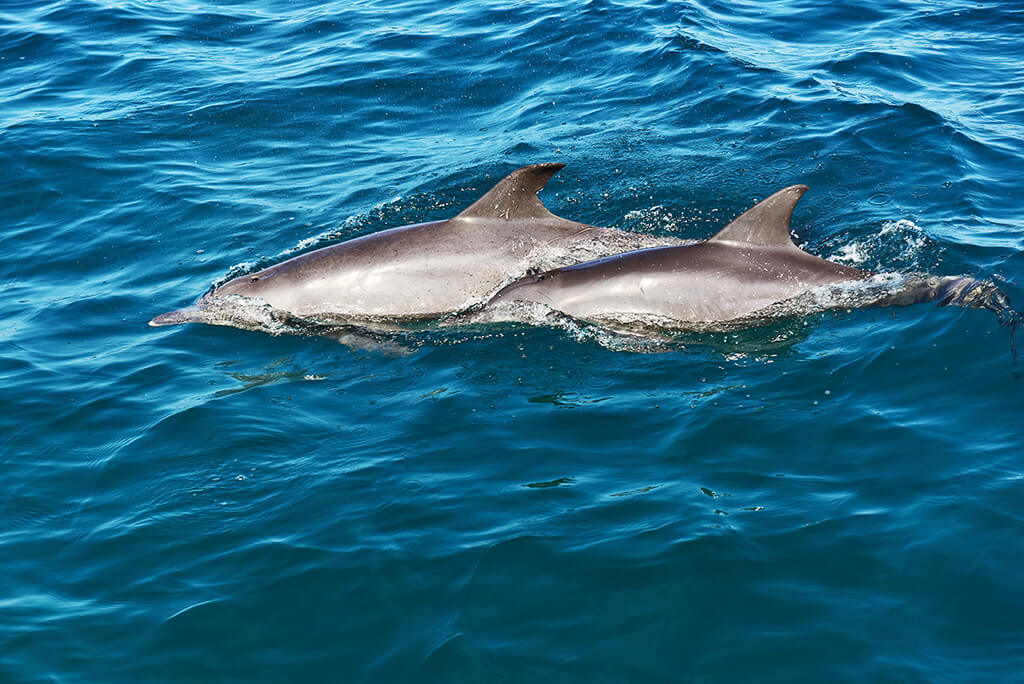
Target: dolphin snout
{"type": "Point", "coordinates": [190, 314]}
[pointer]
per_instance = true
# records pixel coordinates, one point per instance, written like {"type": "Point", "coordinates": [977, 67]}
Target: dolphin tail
{"type": "Point", "coordinates": [978, 294]}
{"type": "Point", "coordinates": [967, 292]}
{"type": "Point", "coordinates": [957, 291]}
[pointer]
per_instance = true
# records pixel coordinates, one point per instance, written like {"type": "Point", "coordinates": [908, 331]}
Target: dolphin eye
{"type": "Point", "coordinates": [253, 279]}
{"type": "Point", "coordinates": [542, 276]}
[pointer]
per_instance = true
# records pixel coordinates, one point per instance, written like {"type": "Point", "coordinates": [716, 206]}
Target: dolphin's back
{"type": "Point", "coordinates": [704, 283]}
{"type": "Point", "coordinates": [749, 266]}
{"type": "Point", "coordinates": [419, 271]}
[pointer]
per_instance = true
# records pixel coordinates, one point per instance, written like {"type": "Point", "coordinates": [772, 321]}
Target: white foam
{"type": "Point", "coordinates": [850, 254]}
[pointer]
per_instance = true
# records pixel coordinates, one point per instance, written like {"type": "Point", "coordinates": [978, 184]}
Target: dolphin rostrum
{"type": "Point", "coordinates": [419, 271]}
{"type": "Point", "coordinates": [750, 271]}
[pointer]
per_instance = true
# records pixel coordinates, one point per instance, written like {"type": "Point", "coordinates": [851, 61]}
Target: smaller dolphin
{"type": "Point", "coordinates": [415, 272]}
{"type": "Point", "coordinates": [750, 271]}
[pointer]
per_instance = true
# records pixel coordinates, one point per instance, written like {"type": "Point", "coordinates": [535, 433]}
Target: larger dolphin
{"type": "Point", "coordinates": [418, 271]}
{"type": "Point", "coordinates": [750, 271]}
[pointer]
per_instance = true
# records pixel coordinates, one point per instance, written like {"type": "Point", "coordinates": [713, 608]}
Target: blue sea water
{"type": "Point", "coordinates": [831, 498]}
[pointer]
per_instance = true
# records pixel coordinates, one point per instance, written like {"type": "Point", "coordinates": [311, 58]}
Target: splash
{"type": "Point", "coordinates": [900, 245]}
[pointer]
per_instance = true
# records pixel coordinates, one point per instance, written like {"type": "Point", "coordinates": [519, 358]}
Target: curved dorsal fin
{"type": "Point", "coordinates": [767, 222]}
{"type": "Point", "coordinates": [515, 196]}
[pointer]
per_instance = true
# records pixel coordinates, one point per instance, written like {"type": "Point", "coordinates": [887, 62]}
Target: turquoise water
{"type": "Point", "coordinates": [833, 497]}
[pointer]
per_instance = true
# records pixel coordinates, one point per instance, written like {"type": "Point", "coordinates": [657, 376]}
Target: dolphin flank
{"type": "Point", "coordinates": [750, 271]}
{"type": "Point", "coordinates": [415, 272]}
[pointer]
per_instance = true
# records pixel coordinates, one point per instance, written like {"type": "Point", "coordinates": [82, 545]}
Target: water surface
{"type": "Point", "coordinates": [833, 497]}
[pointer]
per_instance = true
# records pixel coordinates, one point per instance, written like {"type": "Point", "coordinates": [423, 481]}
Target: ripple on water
{"type": "Point", "coordinates": [831, 496]}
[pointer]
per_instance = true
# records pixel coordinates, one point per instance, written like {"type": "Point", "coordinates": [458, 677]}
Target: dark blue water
{"type": "Point", "coordinates": [833, 498]}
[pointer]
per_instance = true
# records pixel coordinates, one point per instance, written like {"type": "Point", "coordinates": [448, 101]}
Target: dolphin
{"type": "Point", "coordinates": [749, 272]}
{"type": "Point", "coordinates": [413, 272]}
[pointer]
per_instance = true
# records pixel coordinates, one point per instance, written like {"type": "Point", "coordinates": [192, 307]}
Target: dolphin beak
{"type": "Point", "coordinates": [190, 314]}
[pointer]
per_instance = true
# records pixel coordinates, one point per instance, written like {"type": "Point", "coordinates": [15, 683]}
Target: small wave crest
{"type": "Point", "coordinates": [616, 338]}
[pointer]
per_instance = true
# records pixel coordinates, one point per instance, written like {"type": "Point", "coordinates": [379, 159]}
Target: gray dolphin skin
{"type": "Point", "coordinates": [742, 274]}
{"type": "Point", "coordinates": [419, 271]}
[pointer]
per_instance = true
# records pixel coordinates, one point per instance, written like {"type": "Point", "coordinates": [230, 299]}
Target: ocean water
{"type": "Point", "coordinates": [836, 497]}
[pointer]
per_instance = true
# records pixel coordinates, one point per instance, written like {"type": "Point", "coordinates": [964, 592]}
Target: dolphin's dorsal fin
{"type": "Point", "coordinates": [515, 196]}
{"type": "Point", "coordinates": [767, 222]}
